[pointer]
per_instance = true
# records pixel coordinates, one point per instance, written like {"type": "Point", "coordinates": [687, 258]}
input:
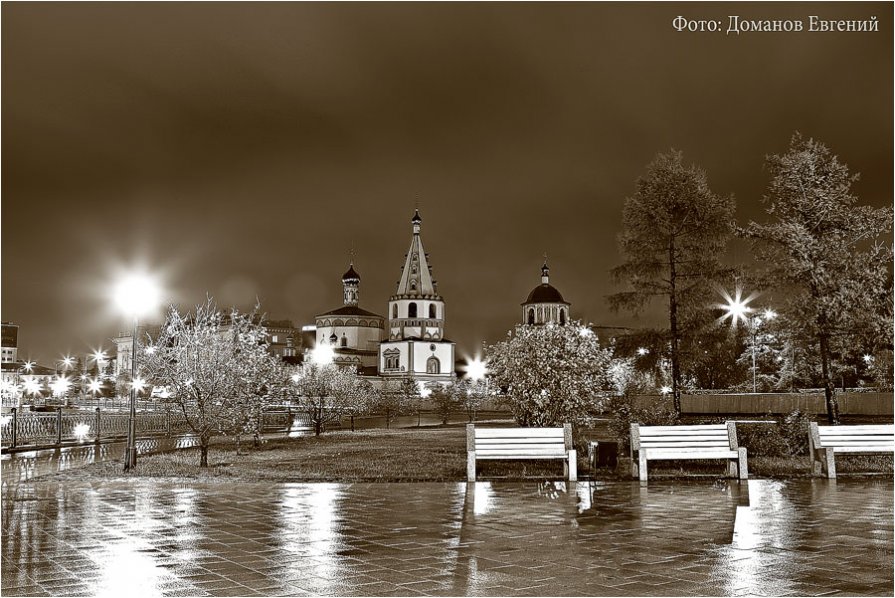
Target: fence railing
{"type": "Point", "coordinates": [55, 428]}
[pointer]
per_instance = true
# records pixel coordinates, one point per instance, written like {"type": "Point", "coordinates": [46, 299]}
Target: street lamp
{"type": "Point", "coordinates": [135, 296]}
{"type": "Point", "coordinates": [323, 354]}
{"type": "Point", "coordinates": [737, 308]}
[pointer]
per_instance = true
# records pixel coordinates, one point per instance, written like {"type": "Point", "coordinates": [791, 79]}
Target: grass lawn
{"type": "Point", "coordinates": [410, 455]}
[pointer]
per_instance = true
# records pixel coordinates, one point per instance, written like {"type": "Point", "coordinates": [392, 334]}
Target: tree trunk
{"type": "Point", "coordinates": [672, 320]}
{"type": "Point", "coordinates": [318, 427]}
{"type": "Point", "coordinates": [829, 390]}
{"type": "Point", "coordinates": [203, 452]}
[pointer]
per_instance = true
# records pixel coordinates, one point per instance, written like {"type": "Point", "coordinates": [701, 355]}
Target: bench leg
{"type": "Point", "coordinates": [829, 463]}
{"type": "Point", "coordinates": [642, 465]}
{"type": "Point", "coordinates": [571, 468]}
{"type": "Point", "coordinates": [732, 468]}
{"type": "Point", "coordinates": [470, 466]}
{"type": "Point", "coordinates": [816, 464]}
{"type": "Point", "coordinates": [742, 467]}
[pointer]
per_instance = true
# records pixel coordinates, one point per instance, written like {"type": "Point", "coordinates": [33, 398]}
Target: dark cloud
{"type": "Point", "coordinates": [246, 145]}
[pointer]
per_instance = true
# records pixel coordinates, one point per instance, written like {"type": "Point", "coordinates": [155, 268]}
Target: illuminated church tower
{"type": "Point", "coordinates": [416, 346]}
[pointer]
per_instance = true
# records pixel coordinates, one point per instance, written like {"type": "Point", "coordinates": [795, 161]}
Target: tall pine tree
{"type": "Point", "coordinates": [675, 230]}
{"type": "Point", "coordinates": [824, 250]}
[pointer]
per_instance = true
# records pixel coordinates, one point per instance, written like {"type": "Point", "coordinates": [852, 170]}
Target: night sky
{"type": "Point", "coordinates": [243, 150]}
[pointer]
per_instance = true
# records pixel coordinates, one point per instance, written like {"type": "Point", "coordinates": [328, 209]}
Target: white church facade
{"type": "Point", "coordinates": [409, 342]}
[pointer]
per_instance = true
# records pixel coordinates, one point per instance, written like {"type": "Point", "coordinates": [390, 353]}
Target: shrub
{"type": "Point", "coordinates": [785, 437]}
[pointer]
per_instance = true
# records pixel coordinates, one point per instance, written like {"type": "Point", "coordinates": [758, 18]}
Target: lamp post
{"type": "Point", "coordinates": [135, 295]}
{"type": "Point", "coordinates": [737, 308]}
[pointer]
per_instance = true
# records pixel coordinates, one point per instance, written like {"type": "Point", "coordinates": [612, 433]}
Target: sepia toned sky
{"type": "Point", "coordinates": [243, 149]}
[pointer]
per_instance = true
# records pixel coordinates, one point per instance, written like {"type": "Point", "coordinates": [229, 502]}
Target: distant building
{"type": "Point", "coordinates": [545, 303]}
{"type": "Point", "coordinates": [10, 349]}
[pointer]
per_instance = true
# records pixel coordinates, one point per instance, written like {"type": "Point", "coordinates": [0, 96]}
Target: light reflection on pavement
{"type": "Point", "coordinates": [161, 537]}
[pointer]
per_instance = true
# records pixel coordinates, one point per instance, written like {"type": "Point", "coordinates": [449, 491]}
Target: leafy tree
{"type": "Point", "coordinates": [444, 400]}
{"type": "Point", "coordinates": [675, 230]}
{"type": "Point", "coordinates": [823, 251]}
{"type": "Point", "coordinates": [210, 365]}
{"type": "Point", "coordinates": [396, 398]}
{"type": "Point", "coordinates": [470, 395]}
{"type": "Point", "coordinates": [326, 392]}
{"type": "Point", "coordinates": [553, 374]}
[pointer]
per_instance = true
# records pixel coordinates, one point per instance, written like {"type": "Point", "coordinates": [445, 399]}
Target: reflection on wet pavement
{"type": "Point", "coordinates": [145, 537]}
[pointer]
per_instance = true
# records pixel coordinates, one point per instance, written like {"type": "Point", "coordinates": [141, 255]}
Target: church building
{"type": "Point", "coordinates": [352, 332]}
{"type": "Point", "coordinates": [545, 303]}
{"type": "Point", "coordinates": [416, 346]}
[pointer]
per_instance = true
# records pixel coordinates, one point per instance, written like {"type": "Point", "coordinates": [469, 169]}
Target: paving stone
{"type": "Point", "coordinates": [671, 538]}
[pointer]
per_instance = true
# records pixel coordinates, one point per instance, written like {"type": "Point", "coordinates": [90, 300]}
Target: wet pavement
{"type": "Point", "coordinates": [163, 538]}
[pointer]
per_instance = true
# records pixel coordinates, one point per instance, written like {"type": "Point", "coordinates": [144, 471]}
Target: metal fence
{"type": "Point", "coordinates": [56, 428]}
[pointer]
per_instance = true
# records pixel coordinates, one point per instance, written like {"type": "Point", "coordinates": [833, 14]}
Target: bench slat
{"type": "Point", "coordinates": [652, 454]}
{"type": "Point", "coordinates": [506, 457]}
{"type": "Point", "coordinates": [866, 448]}
{"type": "Point", "coordinates": [517, 439]}
{"type": "Point", "coordinates": [647, 430]}
{"type": "Point", "coordinates": [520, 446]}
{"type": "Point", "coordinates": [847, 439]}
{"type": "Point", "coordinates": [521, 453]}
{"type": "Point", "coordinates": [862, 429]}
{"type": "Point", "coordinates": [519, 432]}
{"type": "Point", "coordinates": [698, 446]}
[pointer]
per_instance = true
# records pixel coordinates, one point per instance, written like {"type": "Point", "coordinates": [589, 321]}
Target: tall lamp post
{"type": "Point", "coordinates": [738, 309]}
{"type": "Point", "coordinates": [135, 296]}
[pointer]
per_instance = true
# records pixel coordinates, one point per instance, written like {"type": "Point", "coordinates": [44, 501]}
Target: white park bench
{"type": "Point", "coordinates": [520, 443]}
{"type": "Point", "coordinates": [824, 442]}
{"type": "Point", "coordinates": [713, 441]}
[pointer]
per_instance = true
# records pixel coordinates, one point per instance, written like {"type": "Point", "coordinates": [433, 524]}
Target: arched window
{"type": "Point", "coordinates": [344, 341]}
{"type": "Point", "coordinates": [395, 310]}
{"type": "Point", "coordinates": [433, 366]}
{"type": "Point", "coordinates": [411, 310]}
{"type": "Point", "coordinates": [531, 316]}
{"type": "Point", "coordinates": [562, 317]}
{"type": "Point", "coordinates": [432, 311]}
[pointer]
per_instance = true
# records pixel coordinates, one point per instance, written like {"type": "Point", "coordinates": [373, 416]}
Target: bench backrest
{"type": "Point", "coordinates": [709, 436]}
{"type": "Point", "coordinates": [517, 442]}
{"type": "Point", "coordinates": [872, 436]}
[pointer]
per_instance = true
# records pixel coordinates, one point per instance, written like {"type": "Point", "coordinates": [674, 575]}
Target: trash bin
{"type": "Point", "coordinates": [602, 453]}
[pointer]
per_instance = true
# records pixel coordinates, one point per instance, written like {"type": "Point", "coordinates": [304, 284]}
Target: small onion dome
{"type": "Point", "coordinates": [333, 338]}
{"type": "Point", "coordinates": [545, 293]}
{"type": "Point", "coordinates": [351, 275]}
{"type": "Point", "coordinates": [416, 217]}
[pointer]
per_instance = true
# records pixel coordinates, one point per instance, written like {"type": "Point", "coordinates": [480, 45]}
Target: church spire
{"type": "Point", "coordinates": [545, 271]}
{"type": "Point", "coordinates": [416, 277]}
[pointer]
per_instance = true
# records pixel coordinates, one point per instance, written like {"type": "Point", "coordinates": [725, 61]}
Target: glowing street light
{"type": "Point", "coordinates": [868, 359]}
{"type": "Point", "coordinates": [94, 386]}
{"type": "Point", "coordinates": [323, 354]}
{"type": "Point", "coordinates": [737, 308]}
{"type": "Point", "coordinates": [642, 351]}
{"type": "Point", "coordinates": [476, 369]}
{"type": "Point", "coordinates": [32, 386]}
{"type": "Point", "coordinates": [665, 390]}
{"type": "Point", "coordinates": [135, 295]}
{"type": "Point", "coordinates": [60, 386]}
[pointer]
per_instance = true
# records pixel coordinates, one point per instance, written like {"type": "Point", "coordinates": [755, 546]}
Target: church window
{"type": "Point", "coordinates": [562, 317]}
{"type": "Point", "coordinates": [344, 341]}
{"type": "Point", "coordinates": [433, 366]}
{"type": "Point", "coordinates": [411, 310]}
{"type": "Point", "coordinates": [531, 316]}
{"type": "Point", "coordinates": [395, 310]}
{"type": "Point", "coordinates": [432, 312]}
